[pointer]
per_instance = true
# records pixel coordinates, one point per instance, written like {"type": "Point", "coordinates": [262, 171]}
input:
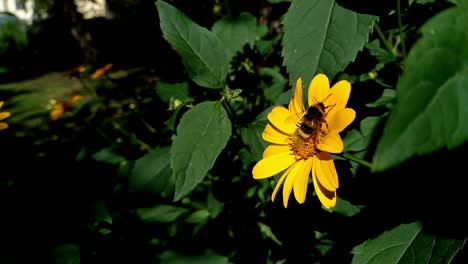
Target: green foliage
{"type": "Point", "coordinates": [202, 52]}
{"type": "Point", "coordinates": [407, 243]}
{"type": "Point", "coordinates": [161, 213]}
{"type": "Point", "coordinates": [171, 92]}
{"type": "Point", "coordinates": [346, 208]}
{"type": "Point", "coordinates": [108, 155]}
{"type": "Point", "coordinates": [201, 135]}
{"type": "Point", "coordinates": [164, 166]}
{"type": "Point", "coordinates": [152, 173]}
{"type": "Point", "coordinates": [235, 33]}
{"type": "Point", "coordinates": [430, 95]}
{"type": "Point", "coordinates": [321, 36]}
{"type": "Point", "coordinates": [13, 36]}
{"type": "Point", "coordinates": [171, 257]}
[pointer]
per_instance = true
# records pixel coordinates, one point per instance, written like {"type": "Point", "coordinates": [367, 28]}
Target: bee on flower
{"type": "Point", "coordinates": [302, 140]}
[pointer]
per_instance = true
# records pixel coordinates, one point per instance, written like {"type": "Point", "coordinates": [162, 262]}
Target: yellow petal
{"type": "Point", "coordinates": [340, 95]}
{"type": "Point", "coordinates": [4, 115]}
{"type": "Point", "coordinates": [326, 197]}
{"type": "Point", "coordinates": [341, 119]}
{"type": "Point", "coordinates": [302, 180]}
{"type": "Point", "coordinates": [272, 165]}
{"type": "Point", "coordinates": [296, 104]}
{"type": "Point", "coordinates": [326, 171]}
{"type": "Point", "coordinates": [319, 88]}
{"type": "Point", "coordinates": [332, 143]}
{"type": "Point", "coordinates": [3, 125]}
{"type": "Point", "coordinates": [1, 104]}
{"type": "Point", "coordinates": [273, 135]}
{"type": "Point", "coordinates": [280, 181]}
{"type": "Point", "coordinates": [289, 183]}
{"type": "Point", "coordinates": [275, 149]}
{"type": "Point", "coordinates": [280, 118]}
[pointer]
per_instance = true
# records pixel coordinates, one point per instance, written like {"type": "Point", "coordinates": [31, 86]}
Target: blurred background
{"type": "Point", "coordinates": [90, 120]}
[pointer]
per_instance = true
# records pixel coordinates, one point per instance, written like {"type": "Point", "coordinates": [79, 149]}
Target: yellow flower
{"type": "Point", "coordinates": [301, 156]}
{"type": "Point", "coordinates": [3, 115]}
{"type": "Point", "coordinates": [101, 71]}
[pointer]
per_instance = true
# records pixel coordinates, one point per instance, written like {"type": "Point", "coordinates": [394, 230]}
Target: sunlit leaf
{"type": "Point", "coordinates": [161, 213]}
{"type": "Point", "coordinates": [202, 133]}
{"type": "Point", "coordinates": [431, 94]}
{"type": "Point", "coordinates": [202, 52]}
{"type": "Point", "coordinates": [236, 32]}
{"type": "Point", "coordinates": [407, 243]}
{"type": "Point", "coordinates": [152, 172]}
{"type": "Point", "coordinates": [321, 36]}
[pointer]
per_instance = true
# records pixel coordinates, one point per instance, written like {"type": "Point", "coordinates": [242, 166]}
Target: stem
{"type": "Point", "coordinates": [382, 38]}
{"type": "Point", "coordinates": [229, 110]}
{"type": "Point", "coordinates": [356, 159]}
{"type": "Point", "coordinates": [400, 26]}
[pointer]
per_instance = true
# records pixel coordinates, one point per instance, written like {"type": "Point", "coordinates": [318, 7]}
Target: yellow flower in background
{"type": "Point", "coordinates": [100, 71]}
{"type": "Point", "coordinates": [59, 108]}
{"type": "Point", "coordinates": [302, 140]}
{"type": "Point", "coordinates": [3, 115]}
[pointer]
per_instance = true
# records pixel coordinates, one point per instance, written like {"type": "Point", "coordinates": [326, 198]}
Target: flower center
{"type": "Point", "coordinates": [304, 148]}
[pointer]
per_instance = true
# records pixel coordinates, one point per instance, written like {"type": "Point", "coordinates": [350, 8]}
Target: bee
{"type": "Point", "coordinates": [311, 121]}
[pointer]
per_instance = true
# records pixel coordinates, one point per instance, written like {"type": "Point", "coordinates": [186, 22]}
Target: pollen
{"type": "Point", "coordinates": [303, 148]}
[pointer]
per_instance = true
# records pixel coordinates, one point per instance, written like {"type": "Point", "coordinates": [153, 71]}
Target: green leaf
{"type": "Point", "coordinates": [321, 36]}
{"type": "Point", "coordinates": [407, 243]}
{"type": "Point", "coordinates": [264, 46]}
{"type": "Point", "coordinates": [173, 91]}
{"type": "Point", "coordinates": [152, 172]}
{"type": "Point", "coordinates": [431, 94]}
{"type": "Point", "coordinates": [172, 257]}
{"type": "Point", "coordinates": [346, 208]}
{"type": "Point", "coordinates": [382, 55]}
{"type": "Point", "coordinates": [235, 33]}
{"type": "Point", "coordinates": [202, 133]}
{"type": "Point", "coordinates": [388, 95]}
{"type": "Point", "coordinates": [275, 86]}
{"type": "Point", "coordinates": [214, 206]}
{"type": "Point", "coordinates": [360, 140]}
{"type": "Point", "coordinates": [422, 2]}
{"type": "Point", "coordinates": [161, 213]}
{"type": "Point", "coordinates": [198, 216]}
{"type": "Point", "coordinates": [109, 156]}
{"type": "Point", "coordinates": [266, 231]}
{"type": "Point", "coordinates": [202, 52]}
{"type": "Point", "coordinates": [252, 137]}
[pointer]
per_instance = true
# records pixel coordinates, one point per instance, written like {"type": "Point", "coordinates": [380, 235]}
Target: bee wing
{"type": "Point", "coordinates": [296, 118]}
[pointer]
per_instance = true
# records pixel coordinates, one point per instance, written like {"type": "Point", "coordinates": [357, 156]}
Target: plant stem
{"type": "Point", "coordinates": [402, 33]}
{"type": "Point", "coordinates": [358, 160]}
{"type": "Point", "coordinates": [382, 38]}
